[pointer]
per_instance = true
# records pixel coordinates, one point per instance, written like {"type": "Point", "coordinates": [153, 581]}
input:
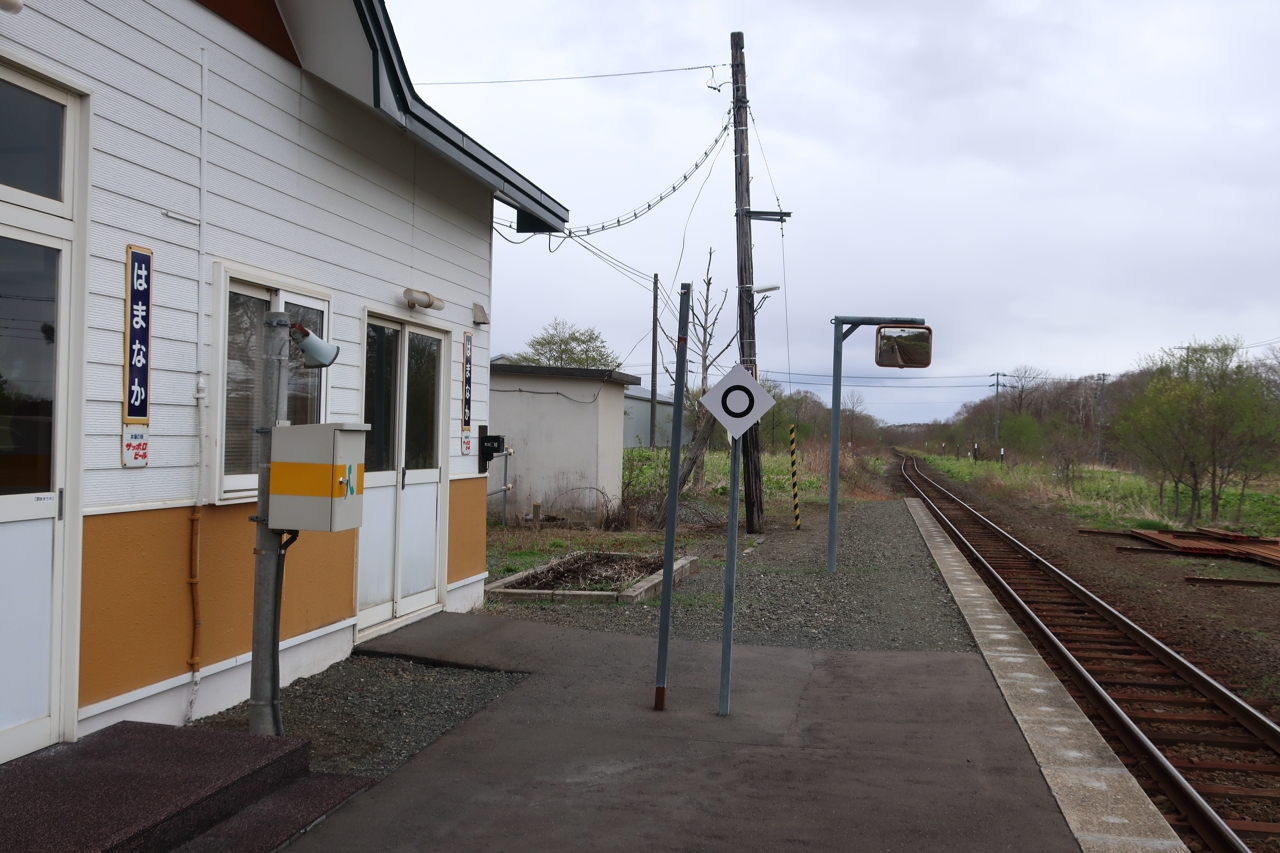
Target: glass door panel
{"type": "Point", "coordinates": [420, 485]}
{"type": "Point", "coordinates": [377, 554]}
{"type": "Point", "coordinates": [29, 279]}
{"type": "Point", "coordinates": [28, 364]}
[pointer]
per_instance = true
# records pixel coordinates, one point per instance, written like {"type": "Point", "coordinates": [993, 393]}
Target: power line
{"type": "Point", "coordinates": [509, 240]}
{"type": "Point", "coordinates": [685, 233]}
{"type": "Point", "coordinates": [782, 241]}
{"type": "Point", "coordinates": [577, 77]}
{"type": "Point", "coordinates": [827, 376]}
{"type": "Point", "coordinates": [628, 218]}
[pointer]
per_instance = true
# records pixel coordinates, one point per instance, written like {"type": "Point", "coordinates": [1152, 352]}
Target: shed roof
{"type": "Point", "coordinates": [352, 45]}
{"type": "Point", "coordinates": [618, 376]}
{"type": "Point", "coordinates": [639, 392]}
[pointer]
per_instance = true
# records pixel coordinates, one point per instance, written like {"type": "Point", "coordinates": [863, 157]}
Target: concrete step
{"type": "Point", "coordinates": [139, 787]}
{"type": "Point", "coordinates": [279, 817]}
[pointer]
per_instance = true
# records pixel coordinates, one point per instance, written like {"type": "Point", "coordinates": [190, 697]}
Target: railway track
{"type": "Point", "coordinates": [1209, 759]}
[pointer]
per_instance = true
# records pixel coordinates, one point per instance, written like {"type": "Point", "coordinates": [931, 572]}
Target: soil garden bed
{"type": "Point", "coordinates": [590, 576]}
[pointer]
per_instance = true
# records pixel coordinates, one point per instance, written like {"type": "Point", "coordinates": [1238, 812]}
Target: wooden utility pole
{"type": "Point", "coordinates": [753, 482]}
{"type": "Point", "coordinates": [653, 366]}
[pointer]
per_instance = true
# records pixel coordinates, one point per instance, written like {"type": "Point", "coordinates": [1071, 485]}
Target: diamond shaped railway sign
{"type": "Point", "coordinates": [737, 401]}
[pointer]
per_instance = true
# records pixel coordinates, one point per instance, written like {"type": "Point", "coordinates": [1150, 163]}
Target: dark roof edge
{"type": "Point", "coordinates": [566, 372]}
{"type": "Point", "coordinates": [447, 138]}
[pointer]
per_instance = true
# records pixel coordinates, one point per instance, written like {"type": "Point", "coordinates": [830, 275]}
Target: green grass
{"type": "Point", "coordinates": [645, 473]}
{"type": "Point", "coordinates": [1106, 498]}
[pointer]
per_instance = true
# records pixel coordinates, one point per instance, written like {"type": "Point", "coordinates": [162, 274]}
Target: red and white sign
{"type": "Point", "coordinates": [134, 440]}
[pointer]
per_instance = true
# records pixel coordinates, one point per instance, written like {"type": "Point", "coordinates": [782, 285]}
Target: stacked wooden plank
{"type": "Point", "coordinates": [1212, 542]}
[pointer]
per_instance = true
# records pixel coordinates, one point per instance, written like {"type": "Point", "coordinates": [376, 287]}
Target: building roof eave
{"type": "Point", "coordinates": [444, 137]}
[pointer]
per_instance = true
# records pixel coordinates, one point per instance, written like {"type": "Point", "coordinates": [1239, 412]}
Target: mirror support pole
{"type": "Point", "coordinates": [844, 327]}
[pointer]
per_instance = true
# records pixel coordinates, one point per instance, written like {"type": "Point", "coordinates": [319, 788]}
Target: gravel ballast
{"type": "Point", "coordinates": [886, 593]}
{"type": "Point", "coordinates": [365, 716]}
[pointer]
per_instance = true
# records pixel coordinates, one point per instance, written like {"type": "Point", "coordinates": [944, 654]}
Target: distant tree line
{"type": "Point", "coordinates": [1202, 419]}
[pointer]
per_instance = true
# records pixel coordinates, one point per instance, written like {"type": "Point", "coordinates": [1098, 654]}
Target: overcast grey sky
{"type": "Point", "coordinates": [1064, 184]}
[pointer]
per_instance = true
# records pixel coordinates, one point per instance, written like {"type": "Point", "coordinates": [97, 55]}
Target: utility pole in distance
{"type": "Point", "coordinates": [1102, 401]}
{"type": "Point", "coordinates": [753, 481]}
{"type": "Point", "coordinates": [997, 376]}
{"type": "Point", "coordinates": [653, 365]}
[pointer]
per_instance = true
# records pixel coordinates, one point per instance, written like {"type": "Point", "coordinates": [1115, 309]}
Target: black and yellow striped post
{"type": "Point", "coordinates": [795, 481]}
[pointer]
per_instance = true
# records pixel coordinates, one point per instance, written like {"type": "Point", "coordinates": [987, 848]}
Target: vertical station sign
{"type": "Point", "coordinates": [467, 345]}
{"type": "Point", "coordinates": [137, 357]}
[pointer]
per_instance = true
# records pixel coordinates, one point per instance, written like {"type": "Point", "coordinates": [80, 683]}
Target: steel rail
{"type": "Point", "coordinates": [1228, 702]}
{"type": "Point", "coordinates": [1199, 814]}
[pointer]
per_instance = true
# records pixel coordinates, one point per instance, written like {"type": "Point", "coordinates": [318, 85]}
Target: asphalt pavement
{"type": "Point", "coordinates": [824, 749]}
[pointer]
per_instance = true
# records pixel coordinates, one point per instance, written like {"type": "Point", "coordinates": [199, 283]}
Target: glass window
{"type": "Point", "coordinates": [422, 402]}
{"type": "Point", "coordinates": [245, 316]}
{"type": "Point", "coordinates": [28, 317]}
{"type": "Point", "coordinates": [304, 382]}
{"type": "Point", "coordinates": [30, 141]}
{"type": "Point", "coordinates": [381, 363]}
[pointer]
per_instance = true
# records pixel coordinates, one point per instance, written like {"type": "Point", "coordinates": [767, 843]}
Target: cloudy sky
{"type": "Point", "coordinates": [1069, 185]}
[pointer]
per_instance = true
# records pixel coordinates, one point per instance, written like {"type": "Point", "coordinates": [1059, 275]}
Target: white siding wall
{"type": "Point", "coordinates": [301, 181]}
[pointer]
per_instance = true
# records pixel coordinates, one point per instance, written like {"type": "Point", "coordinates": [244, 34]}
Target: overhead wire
{"type": "Point", "coordinates": [574, 77]}
{"type": "Point", "coordinates": [782, 241]}
{"type": "Point", "coordinates": [632, 216]}
{"type": "Point", "coordinates": [685, 233]}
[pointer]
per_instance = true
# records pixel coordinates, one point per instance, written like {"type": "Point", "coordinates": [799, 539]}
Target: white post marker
{"type": "Point", "coordinates": [737, 401]}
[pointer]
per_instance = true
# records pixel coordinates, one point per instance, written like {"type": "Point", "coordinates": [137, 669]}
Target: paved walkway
{"type": "Point", "coordinates": [824, 750]}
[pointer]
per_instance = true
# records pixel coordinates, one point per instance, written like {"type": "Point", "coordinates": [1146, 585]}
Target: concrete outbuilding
{"type": "Point", "coordinates": [635, 420]}
{"type": "Point", "coordinates": [565, 425]}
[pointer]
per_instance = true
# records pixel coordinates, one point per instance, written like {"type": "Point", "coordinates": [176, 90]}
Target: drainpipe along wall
{"type": "Point", "coordinates": [201, 397]}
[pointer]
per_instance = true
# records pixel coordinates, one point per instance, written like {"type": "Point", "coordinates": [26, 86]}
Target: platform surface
{"type": "Point", "coordinates": [823, 750]}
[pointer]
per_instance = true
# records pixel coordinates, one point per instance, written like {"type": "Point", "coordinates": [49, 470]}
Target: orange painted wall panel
{"type": "Point", "coordinates": [135, 616]}
{"type": "Point", "coordinates": [467, 527]}
{"type": "Point", "coordinates": [136, 607]}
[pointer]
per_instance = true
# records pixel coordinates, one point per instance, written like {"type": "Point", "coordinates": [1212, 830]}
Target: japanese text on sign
{"type": "Point", "coordinates": [466, 381]}
{"type": "Point", "coordinates": [134, 441]}
{"type": "Point", "coordinates": [137, 335]}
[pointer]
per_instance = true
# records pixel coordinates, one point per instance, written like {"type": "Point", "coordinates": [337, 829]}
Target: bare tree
{"type": "Point", "coordinates": [704, 316]}
{"type": "Point", "coordinates": [1024, 383]}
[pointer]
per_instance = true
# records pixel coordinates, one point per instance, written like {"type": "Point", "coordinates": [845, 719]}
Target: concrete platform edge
{"type": "Point", "coordinates": [1104, 806]}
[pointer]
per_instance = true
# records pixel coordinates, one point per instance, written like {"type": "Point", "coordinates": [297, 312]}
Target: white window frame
{"type": "Point", "coordinates": [229, 278]}
{"type": "Point", "coordinates": [63, 208]}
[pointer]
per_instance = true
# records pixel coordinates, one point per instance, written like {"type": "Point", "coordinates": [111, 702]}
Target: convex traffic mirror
{"type": "Point", "coordinates": [904, 346]}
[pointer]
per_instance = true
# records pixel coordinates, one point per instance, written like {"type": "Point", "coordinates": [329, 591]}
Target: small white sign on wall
{"type": "Point", "coordinates": [134, 439]}
{"type": "Point", "coordinates": [466, 445]}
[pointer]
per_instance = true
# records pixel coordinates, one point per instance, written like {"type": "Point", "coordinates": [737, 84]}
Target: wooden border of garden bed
{"type": "Point", "coordinates": [642, 590]}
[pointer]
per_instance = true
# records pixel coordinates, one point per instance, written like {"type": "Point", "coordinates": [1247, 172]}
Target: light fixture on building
{"type": "Point", "coordinates": [422, 299]}
{"type": "Point", "coordinates": [13, 7]}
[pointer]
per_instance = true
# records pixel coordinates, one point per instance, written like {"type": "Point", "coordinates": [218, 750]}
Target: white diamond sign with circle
{"type": "Point", "coordinates": [737, 401]}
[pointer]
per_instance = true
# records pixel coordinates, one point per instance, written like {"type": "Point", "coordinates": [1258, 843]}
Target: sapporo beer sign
{"type": "Point", "coordinates": [737, 401]}
{"type": "Point", "coordinates": [137, 356]}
